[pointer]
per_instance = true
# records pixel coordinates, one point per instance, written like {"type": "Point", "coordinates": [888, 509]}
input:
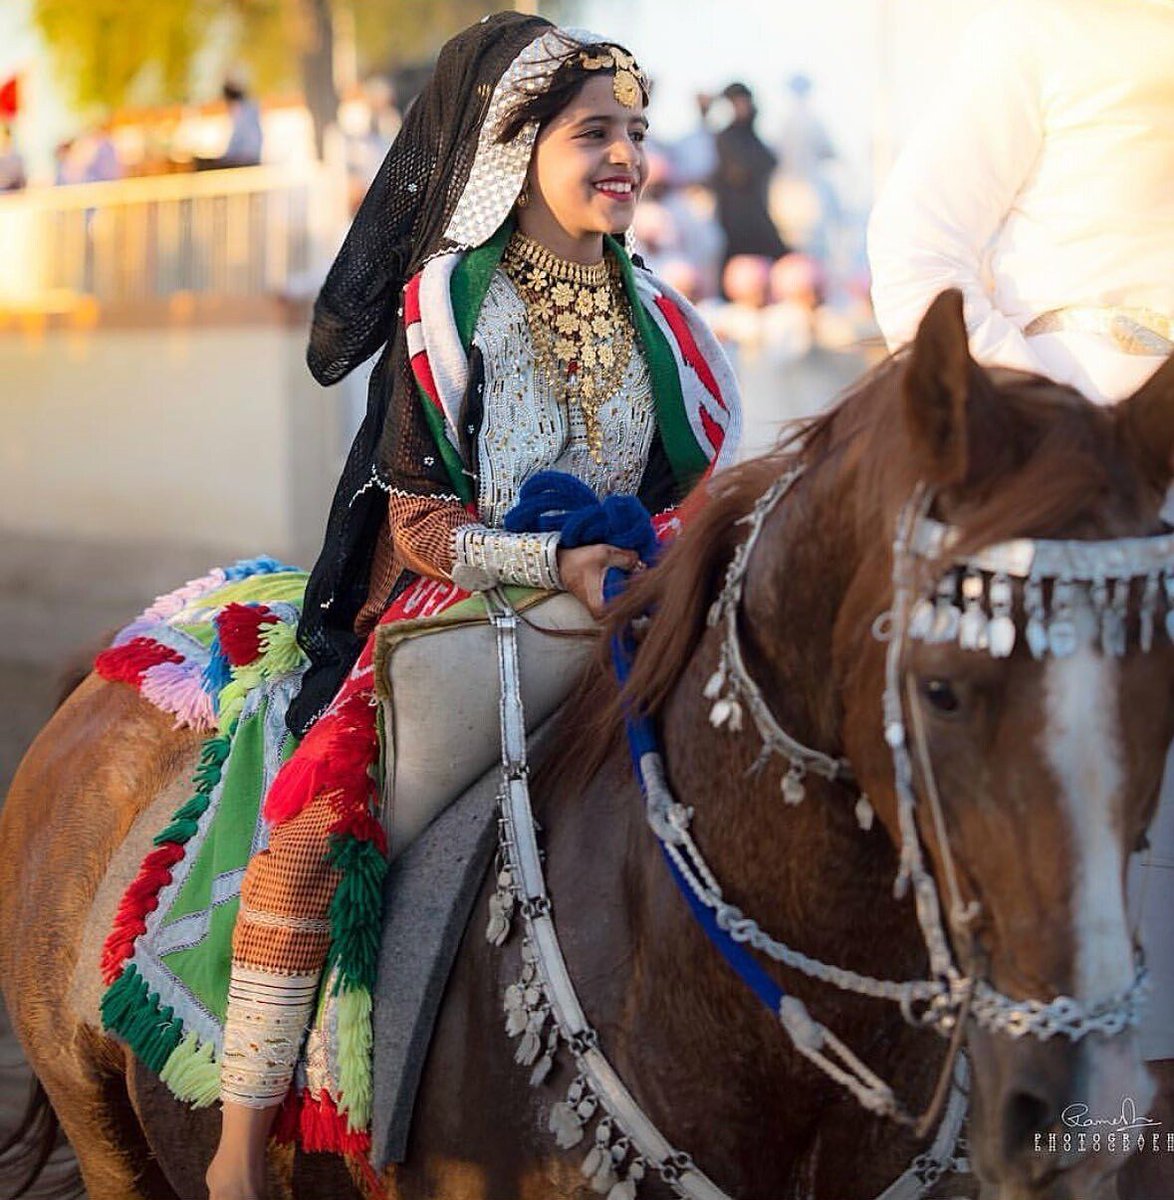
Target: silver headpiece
{"type": "Point", "coordinates": [499, 169]}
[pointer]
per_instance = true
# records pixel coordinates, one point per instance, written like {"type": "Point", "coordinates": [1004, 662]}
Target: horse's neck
{"type": "Point", "coordinates": [807, 873]}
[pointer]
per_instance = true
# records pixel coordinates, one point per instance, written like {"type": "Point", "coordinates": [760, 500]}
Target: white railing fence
{"type": "Point", "coordinates": [239, 233]}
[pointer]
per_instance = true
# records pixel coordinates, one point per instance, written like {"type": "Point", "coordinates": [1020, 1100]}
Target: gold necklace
{"type": "Point", "coordinates": [579, 326]}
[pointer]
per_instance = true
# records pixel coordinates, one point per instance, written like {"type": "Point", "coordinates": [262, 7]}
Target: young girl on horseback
{"type": "Point", "coordinates": [516, 336]}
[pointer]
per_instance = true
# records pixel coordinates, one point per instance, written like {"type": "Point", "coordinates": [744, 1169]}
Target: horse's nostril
{"type": "Point", "coordinates": [1024, 1115]}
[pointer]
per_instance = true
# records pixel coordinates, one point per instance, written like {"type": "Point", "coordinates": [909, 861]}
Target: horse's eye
{"type": "Point", "coordinates": [1143, 842]}
{"type": "Point", "coordinates": [941, 695]}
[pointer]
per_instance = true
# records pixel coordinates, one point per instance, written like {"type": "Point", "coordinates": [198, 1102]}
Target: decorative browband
{"type": "Point", "coordinates": [974, 602]}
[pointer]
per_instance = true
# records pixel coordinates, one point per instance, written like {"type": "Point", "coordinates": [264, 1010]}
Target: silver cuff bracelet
{"type": "Point", "coordinates": [484, 557]}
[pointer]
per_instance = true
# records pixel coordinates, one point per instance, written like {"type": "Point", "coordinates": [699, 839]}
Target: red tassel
{"type": "Point", "coordinates": [239, 626]}
{"type": "Point", "coordinates": [317, 1125]}
{"type": "Point", "coordinates": [336, 757]}
{"type": "Point", "coordinates": [285, 1126]}
{"type": "Point", "coordinates": [139, 899]}
{"type": "Point", "coordinates": [323, 1127]}
{"type": "Point", "coordinates": [129, 662]}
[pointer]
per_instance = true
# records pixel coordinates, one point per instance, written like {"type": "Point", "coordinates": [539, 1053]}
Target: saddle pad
{"type": "Point", "coordinates": [441, 699]}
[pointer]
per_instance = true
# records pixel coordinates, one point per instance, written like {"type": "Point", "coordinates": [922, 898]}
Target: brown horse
{"type": "Point", "coordinates": [1049, 773]}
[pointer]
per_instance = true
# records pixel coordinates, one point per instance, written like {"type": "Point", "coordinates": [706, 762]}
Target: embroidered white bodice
{"type": "Point", "coordinates": [525, 428]}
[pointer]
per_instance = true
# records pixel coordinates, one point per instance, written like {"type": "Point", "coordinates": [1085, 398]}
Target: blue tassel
{"type": "Point", "coordinates": [553, 501]}
{"type": "Point", "coordinates": [218, 673]}
{"type": "Point", "coordinates": [262, 565]}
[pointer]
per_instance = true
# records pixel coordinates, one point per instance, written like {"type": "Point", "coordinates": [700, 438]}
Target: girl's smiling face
{"type": "Point", "coordinates": [586, 172]}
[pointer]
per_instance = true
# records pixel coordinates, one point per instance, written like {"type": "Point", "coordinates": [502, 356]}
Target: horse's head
{"type": "Point", "coordinates": [1029, 695]}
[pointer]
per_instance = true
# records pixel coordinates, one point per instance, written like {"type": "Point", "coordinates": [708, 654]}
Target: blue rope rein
{"type": "Point", "coordinates": [552, 501]}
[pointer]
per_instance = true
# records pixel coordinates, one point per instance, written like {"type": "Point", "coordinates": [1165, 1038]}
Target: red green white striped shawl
{"type": "Point", "coordinates": [695, 393]}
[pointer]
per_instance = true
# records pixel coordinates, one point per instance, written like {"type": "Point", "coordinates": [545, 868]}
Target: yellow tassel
{"type": "Point", "coordinates": [280, 652]}
{"type": "Point", "coordinates": [192, 1072]}
{"type": "Point", "coordinates": [354, 1056]}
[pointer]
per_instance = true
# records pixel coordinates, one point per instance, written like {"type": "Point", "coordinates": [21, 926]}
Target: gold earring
{"type": "Point", "coordinates": [523, 198]}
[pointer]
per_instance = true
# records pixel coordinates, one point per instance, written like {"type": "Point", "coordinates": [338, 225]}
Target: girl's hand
{"type": "Point", "coordinates": [583, 568]}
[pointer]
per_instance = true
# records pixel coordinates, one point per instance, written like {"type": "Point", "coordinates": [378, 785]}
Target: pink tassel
{"type": "Point", "coordinates": [170, 603]}
{"type": "Point", "coordinates": [177, 688]}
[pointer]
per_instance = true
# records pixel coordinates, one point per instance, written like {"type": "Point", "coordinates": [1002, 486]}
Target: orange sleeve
{"type": "Point", "coordinates": [422, 531]}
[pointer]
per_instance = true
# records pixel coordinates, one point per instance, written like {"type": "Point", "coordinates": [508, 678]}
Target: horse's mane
{"type": "Point", "coordinates": [1038, 466]}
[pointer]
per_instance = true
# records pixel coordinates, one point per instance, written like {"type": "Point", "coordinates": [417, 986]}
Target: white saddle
{"type": "Point", "coordinates": [440, 696]}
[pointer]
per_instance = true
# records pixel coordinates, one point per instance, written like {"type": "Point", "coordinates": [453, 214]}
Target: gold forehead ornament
{"type": "Point", "coordinates": [629, 84]}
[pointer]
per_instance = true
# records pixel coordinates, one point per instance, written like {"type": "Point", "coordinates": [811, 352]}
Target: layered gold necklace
{"type": "Point", "coordinates": [579, 326]}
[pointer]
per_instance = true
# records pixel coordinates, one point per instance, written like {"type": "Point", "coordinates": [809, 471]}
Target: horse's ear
{"type": "Point", "coordinates": [936, 387]}
{"type": "Point", "coordinates": [1147, 420]}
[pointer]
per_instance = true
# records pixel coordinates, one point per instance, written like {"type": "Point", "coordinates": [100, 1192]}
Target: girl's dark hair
{"type": "Point", "coordinates": [565, 83]}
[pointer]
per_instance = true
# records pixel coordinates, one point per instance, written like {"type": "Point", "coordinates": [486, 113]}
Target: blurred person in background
{"type": "Point", "coordinates": [104, 164]}
{"type": "Point", "coordinates": [12, 171]}
{"type": "Point", "coordinates": [675, 222]}
{"type": "Point", "coordinates": [245, 138]}
{"type": "Point", "coordinates": [1042, 186]}
{"type": "Point", "coordinates": [69, 163]}
{"type": "Point", "coordinates": [741, 182]}
{"type": "Point", "coordinates": [793, 355]}
{"type": "Point", "coordinates": [369, 124]}
{"type": "Point", "coordinates": [736, 316]}
{"type": "Point", "coordinates": [805, 150]}
{"type": "Point", "coordinates": [655, 228]}
{"type": "Point", "coordinates": [694, 156]}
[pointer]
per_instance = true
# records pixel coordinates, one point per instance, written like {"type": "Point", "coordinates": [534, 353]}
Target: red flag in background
{"type": "Point", "coordinates": [10, 98]}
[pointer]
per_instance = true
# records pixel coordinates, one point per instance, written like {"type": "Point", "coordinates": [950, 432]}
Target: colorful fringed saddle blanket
{"type": "Point", "coordinates": [220, 655]}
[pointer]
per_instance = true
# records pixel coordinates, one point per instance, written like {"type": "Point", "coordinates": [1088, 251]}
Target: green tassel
{"type": "Point", "coordinates": [184, 823]}
{"type": "Point", "coordinates": [280, 652]}
{"type": "Point", "coordinates": [356, 912]}
{"type": "Point", "coordinates": [354, 1057]}
{"type": "Point", "coordinates": [178, 831]}
{"type": "Point", "coordinates": [194, 809]}
{"type": "Point", "coordinates": [231, 701]}
{"type": "Point", "coordinates": [132, 1011]}
{"type": "Point", "coordinates": [123, 998]}
{"type": "Point", "coordinates": [215, 752]}
{"type": "Point", "coordinates": [212, 759]}
{"type": "Point", "coordinates": [192, 1072]}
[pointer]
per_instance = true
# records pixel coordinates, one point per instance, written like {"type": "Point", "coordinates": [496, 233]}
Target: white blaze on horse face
{"type": "Point", "coordinates": [1083, 748]}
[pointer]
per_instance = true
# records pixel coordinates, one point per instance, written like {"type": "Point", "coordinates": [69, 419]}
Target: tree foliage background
{"type": "Point", "coordinates": [113, 53]}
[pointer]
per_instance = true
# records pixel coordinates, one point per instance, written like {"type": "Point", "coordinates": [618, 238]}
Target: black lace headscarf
{"type": "Point", "coordinates": [447, 184]}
